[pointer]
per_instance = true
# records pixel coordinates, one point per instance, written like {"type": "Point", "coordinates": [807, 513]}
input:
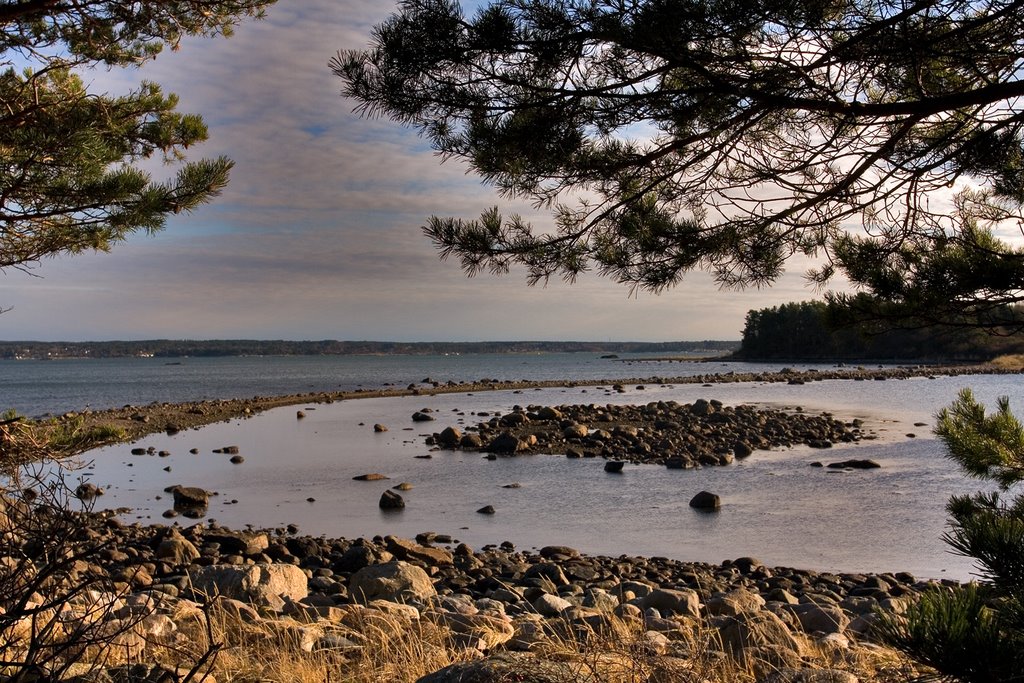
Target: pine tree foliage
{"type": "Point", "coordinates": [975, 633]}
{"type": "Point", "coordinates": [985, 446]}
{"type": "Point", "coordinates": [673, 135]}
{"type": "Point", "coordinates": [69, 174]}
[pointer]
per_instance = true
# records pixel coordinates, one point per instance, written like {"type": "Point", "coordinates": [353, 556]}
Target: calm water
{"type": "Point", "coordinates": [40, 387]}
{"type": "Point", "coordinates": [775, 506]}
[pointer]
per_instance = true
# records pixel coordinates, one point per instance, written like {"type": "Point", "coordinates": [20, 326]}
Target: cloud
{"type": "Point", "coordinates": [317, 235]}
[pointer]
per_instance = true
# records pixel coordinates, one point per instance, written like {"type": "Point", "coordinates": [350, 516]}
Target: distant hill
{"type": "Point", "coordinates": [170, 348]}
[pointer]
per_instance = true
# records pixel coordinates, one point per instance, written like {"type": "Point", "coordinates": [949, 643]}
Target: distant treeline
{"type": "Point", "coordinates": [802, 331]}
{"type": "Point", "coordinates": [168, 348]}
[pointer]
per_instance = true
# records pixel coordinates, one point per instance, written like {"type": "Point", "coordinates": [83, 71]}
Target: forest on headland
{"type": "Point", "coordinates": [169, 348]}
{"type": "Point", "coordinates": [809, 330]}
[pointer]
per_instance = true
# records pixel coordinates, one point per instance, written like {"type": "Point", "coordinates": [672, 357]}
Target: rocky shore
{"type": "Point", "coordinates": [501, 609]}
{"type": "Point", "coordinates": [134, 422]}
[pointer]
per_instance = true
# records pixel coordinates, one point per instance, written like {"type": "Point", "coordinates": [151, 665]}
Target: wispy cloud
{"type": "Point", "coordinates": [318, 233]}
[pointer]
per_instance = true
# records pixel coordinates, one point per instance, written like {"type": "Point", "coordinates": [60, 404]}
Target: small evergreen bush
{"type": "Point", "coordinates": [975, 632]}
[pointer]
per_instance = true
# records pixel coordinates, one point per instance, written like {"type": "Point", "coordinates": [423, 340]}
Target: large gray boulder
{"type": "Point", "coordinates": [820, 618]}
{"type": "Point", "coordinates": [480, 630]}
{"type": "Point", "coordinates": [177, 550]}
{"type": "Point", "coordinates": [736, 601]}
{"type": "Point", "coordinates": [506, 443]}
{"type": "Point", "coordinates": [404, 549]}
{"type": "Point", "coordinates": [238, 542]}
{"type": "Point", "coordinates": [756, 630]}
{"type": "Point", "coordinates": [392, 581]}
{"type": "Point", "coordinates": [259, 584]}
{"type": "Point", "coordinates": [685, 601]}
{"type": "Point", "coordinates": [190, 497]}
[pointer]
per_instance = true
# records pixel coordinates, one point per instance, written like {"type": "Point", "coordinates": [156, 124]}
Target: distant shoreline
{"type": "Point", "coordinates": [136, 422]}
{"type": "Point", "coordinates": [184, 348]}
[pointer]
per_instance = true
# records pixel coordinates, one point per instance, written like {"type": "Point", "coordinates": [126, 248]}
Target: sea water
{"type": "Point", "coordinates": [776, 506]}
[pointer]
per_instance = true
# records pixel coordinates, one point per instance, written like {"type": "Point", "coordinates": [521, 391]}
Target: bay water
{"type": "Point", "coordinates": [776, 506]}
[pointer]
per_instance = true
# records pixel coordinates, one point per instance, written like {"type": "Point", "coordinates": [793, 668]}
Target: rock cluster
{"type": "Point", "coordinates": [494, 600]}
{"type": "Point", "coordinates": [665, 432]}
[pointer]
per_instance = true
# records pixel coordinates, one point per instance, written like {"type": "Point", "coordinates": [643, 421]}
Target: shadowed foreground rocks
{"type": "Point", "coordinates": [503, 604]}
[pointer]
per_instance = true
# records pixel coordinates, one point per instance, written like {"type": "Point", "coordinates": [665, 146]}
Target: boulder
{"type": "Point", "coordinates": [575, 431]}
{"type": "Point", "coordinates": [450, 437]}
{"type": "Point", "coordinates": [404, 549]}
{"type": "Point", "coordinates": [177, 550]}
{"type": "Point", "coordinates": [558, 552]}
{"type": "Point", "coordinates": [190, 497]}
{"type": "Point", "coordinates": [420, 416]}
{"type": "Point", "coordinates": [756, 630]}
{"type": "Point", "coordinates": [685, 602]}
{"type": "Point", "coordinates": [259, 584]}
{"type": "Point", "coordinates": [238, 542]}
{"type": "Point", "coordinates": [702, 408]}
{"type": "Point", "coordinates": [504, 666]}
{"type": "Point", "coordinates": [803, 675]}
{"type": "Point", "coordinates": [395, 581]}
{"type": "Point", "coordinates": [549, 605]}
{"type": "Point", "coordinates": [488, 631]}
{"type": "Point", "coordinates": [820, 618]}
{"type": "Point", "coordinates": [87, 491]}
{"type": "Point", "coordinates": [737, 601]}
{"type": "Point", "coordinates": [742, 449]}
{"type": "Point", "coordinates": [614, 466]}
{"type": "Point", "coordinates": [389, 500]}
{"type": "Point", "coordinates": [855, 465]}
{"type": "Point", "coordinates": [706, 501]}
{"type": "Point", "coordinates": [506, 443]}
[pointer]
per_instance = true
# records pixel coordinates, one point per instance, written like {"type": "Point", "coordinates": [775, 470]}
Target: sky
{"type": "Point", "coordinates": [318, 234]}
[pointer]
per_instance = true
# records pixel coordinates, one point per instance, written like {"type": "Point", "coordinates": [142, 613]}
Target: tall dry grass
{"type": "Point", "coordinates": [1011, 361]}
{"type": "Point", "coordinates": [380, 648]}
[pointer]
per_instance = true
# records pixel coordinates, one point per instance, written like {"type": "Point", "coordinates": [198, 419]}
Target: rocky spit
{"type": "Point", "coordinates": [669, 433]}
{"type": "Point", "coordinates": [138, 421]}
{"type": "Point", "coordinates": [499, 603]}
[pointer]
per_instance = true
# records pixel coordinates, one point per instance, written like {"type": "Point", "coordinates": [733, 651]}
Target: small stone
{"type": "Point", "coordinates": [237, 460]}
{"type": "Point", "coordinates": [854, 465]}
{"type": "Point", "coordinates": [389, 500]}
{"type": "Point", "coordinates": [706, 501]}
{"type": "Point", "coordinates": [86, 491]}
{"type": "Point", "coordinates": [486, 510]}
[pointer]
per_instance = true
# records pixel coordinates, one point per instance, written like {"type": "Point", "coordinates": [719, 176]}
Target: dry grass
{"type": "Point", "coordinates": [1012, 361]}
{"type": "Point", "coordinates": [385, 648]}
